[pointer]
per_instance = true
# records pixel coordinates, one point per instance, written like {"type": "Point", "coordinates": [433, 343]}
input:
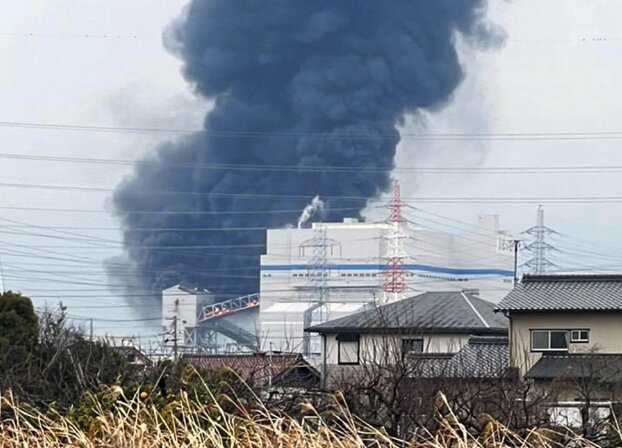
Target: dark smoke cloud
{"type": "Point", "coordinates": [299, 83]}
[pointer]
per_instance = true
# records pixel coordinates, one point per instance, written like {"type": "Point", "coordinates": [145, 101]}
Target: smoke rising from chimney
{"type": "Point", "coordinates": [298, 86]}
{"type": "Point", "coordinates": [315, 206]}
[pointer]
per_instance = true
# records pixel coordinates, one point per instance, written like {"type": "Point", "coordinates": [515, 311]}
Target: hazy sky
{"type": "Point", "coordinates": [102, 63]}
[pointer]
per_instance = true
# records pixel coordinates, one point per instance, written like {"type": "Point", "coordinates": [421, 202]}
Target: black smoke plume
{"type": "Point", "coordinates": [296, 84]}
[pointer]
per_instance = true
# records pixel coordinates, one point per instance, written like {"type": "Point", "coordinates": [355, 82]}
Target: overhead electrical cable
{"type": "Point", "coordinates": [474, 136]}
{"type": "Point", "coordinates": [539, 169]}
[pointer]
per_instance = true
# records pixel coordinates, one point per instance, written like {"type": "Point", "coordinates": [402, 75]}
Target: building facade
{"type": "Point", "coordinates": [331, 270]}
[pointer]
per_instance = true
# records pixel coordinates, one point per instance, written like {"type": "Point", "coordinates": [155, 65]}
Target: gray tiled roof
{"type": "Point", "coordinates": [565, 293]}
{"type": "Point", "coordinates": [481, 357]}
{"type": "Point", "coordinates": [602, 368]}
{"type": "Point", "coordinates": [450, 312]}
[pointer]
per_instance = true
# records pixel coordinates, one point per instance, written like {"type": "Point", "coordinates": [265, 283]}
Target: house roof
{"type": "Point", "coordinates": [255, 366]}
{"type": "Point", "coordinates": [565, 293]}
{"type": "Point", "coordinates": [602, 368]}
{"type": "Point", "coordinates": [443, 312]}
{"type": "Point", "coordinates": [481, 357]}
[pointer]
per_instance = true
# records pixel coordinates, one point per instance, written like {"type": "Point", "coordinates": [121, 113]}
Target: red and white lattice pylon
{"type": "Point", "coordinates": [394, 283]}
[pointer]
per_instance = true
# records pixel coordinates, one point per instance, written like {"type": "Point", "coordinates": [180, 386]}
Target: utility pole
{"type": "Point", "coordinates": [270, 368]}
{"type": "Point", "coordinates": [91, 330]}
{"type": "Point", "coordinates": [2, 289]}
{"type": "Point", "coordinates": [516, 247]}
{"type": "Point", "coordinates": [175, 338]}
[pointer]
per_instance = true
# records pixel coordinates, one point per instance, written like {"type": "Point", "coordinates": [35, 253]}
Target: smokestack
{"type": "Point", "coordinates": [299, 87]}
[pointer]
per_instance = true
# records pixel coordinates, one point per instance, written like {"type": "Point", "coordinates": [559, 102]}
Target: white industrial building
{"type": "Point", "coordinates": [310, 275]}
{"type": "Point", "coordinates": [192, 319]}
{"type": "Point", "coordinates": [330, 270]}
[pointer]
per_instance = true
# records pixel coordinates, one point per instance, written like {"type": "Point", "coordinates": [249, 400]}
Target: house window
{"type": "Point", "coordinates": [412, 346]}
{"type": "Point", "coordinates": [348, 348]}
{"type": "Point", "coordinates": [549, 340]}
{"type": "Point", "coordinates": [580, 336]}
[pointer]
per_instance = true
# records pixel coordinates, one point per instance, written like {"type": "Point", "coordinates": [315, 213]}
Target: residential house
{"type": "Point", "coordinates": [134, 356]}
{"type": "Point", "coordinates": [283, 370]}
{"type": "Point", "coordinates": [429, 330]}
{"type": "Point", "coordinates": [566, 336]}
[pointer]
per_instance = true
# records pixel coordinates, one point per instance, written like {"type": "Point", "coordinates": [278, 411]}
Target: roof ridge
{"type": "Point", "coordinates": [477, 313]}
{"type": "Point", "coordinates": [532, 278]}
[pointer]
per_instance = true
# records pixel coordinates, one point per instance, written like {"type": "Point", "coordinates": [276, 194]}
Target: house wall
{"type": "Point", "coordinates": [605, 334]}
{"type": "Point", "coordinates": [375, 348]}
{"type": "Point", "coordinates": [382, 349]}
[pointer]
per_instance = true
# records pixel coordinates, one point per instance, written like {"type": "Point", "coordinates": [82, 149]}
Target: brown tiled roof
{"type": "Point", "coordinates": [253, 367]}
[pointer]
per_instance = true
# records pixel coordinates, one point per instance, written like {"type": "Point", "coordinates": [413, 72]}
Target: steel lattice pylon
{"type": "Point", "coordinates": [394, 283]}
{"type": "Point", "coordinates": [318, 282]}
{"type": "Point", "coordinates": [539, 247]}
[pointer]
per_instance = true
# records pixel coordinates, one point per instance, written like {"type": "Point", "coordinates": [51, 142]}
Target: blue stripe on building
{"type": "Point", "coordinates": [379, 267]}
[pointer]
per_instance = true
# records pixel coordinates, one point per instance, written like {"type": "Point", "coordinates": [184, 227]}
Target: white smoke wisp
{"type": "Point", "coordinates": [316, 206]}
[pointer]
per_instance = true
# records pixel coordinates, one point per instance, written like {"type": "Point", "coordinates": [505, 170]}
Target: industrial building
{"type": "Point", "coordinates": [193, 321]}
{"type": "Point", "coordinates": [330, 270]}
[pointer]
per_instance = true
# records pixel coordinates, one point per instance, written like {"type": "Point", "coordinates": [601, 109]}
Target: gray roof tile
{"type": "Point", "coordinates": [454, 312]}
{"type": "Point", "coordinates": [481, 357]}
{"type": "Point", "coordinates": [565, 293]}
{"type": "Point", "coordinates": [602, 368]}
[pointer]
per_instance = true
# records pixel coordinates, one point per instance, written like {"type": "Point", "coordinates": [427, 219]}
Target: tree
{"type": "Point", "coordinates": [400, 391]}
{"type": "Point", "coordinates": [18, 331]}
{"type": "Point", "coordinates": [45, 360]}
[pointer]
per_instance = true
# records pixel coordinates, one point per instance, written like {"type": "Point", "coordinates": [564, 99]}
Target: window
{"type": "Point", "coordinates": [348, 348]}
{"type": "Point", "coordinates": [412, 346]}
{"type": "Point", "coordinates": [580, 336]}
{"type": "Point", "coordinates": [549, 340]}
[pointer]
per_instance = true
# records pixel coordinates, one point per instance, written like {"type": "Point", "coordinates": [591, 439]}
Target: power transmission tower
{"type": "Point", "coordinates": [317, 268]}
{"type": "Point", "coordinates": [539, 247]}
{"type": "Point", "coordinates": [318, 274]}
{"type": "Point", "coordinates": [394, 284]}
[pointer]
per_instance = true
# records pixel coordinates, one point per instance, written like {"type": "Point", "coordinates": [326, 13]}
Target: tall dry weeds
{"type": "Point", "coordinates": [184, 422]}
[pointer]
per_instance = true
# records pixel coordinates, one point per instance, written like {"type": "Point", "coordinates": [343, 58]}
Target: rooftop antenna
{"type": "Point", "coordinates": [394, 284]}
{"type": "Point", "coordinates": [539, 246]}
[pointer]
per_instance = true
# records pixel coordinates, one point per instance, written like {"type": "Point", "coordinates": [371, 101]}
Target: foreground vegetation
{"type": "Point", "coordinates": [224, 421]}
{"type": "Point", "coordinates": [59, 389]}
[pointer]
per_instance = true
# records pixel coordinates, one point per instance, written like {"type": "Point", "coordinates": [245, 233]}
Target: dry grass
{"type": "Point", "coordinates": [131, 423]}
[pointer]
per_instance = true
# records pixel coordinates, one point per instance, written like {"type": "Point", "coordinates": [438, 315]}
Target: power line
{"type": "Point", "coordinates": [473, 136]}
{"type": "Point", "coordinates": [35, 34]}
{"type": "Point", "coordinates": [430, 199]}
{"type": "Point", "coordinates": [166, 212]}
{"type": "Point", "coordinates": [582, 169]}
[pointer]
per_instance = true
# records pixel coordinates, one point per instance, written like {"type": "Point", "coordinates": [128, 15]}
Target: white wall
{"type": "Point", "coordinates": [376, 348]}
{"type": "Point", "coordinates": [355, 262]}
